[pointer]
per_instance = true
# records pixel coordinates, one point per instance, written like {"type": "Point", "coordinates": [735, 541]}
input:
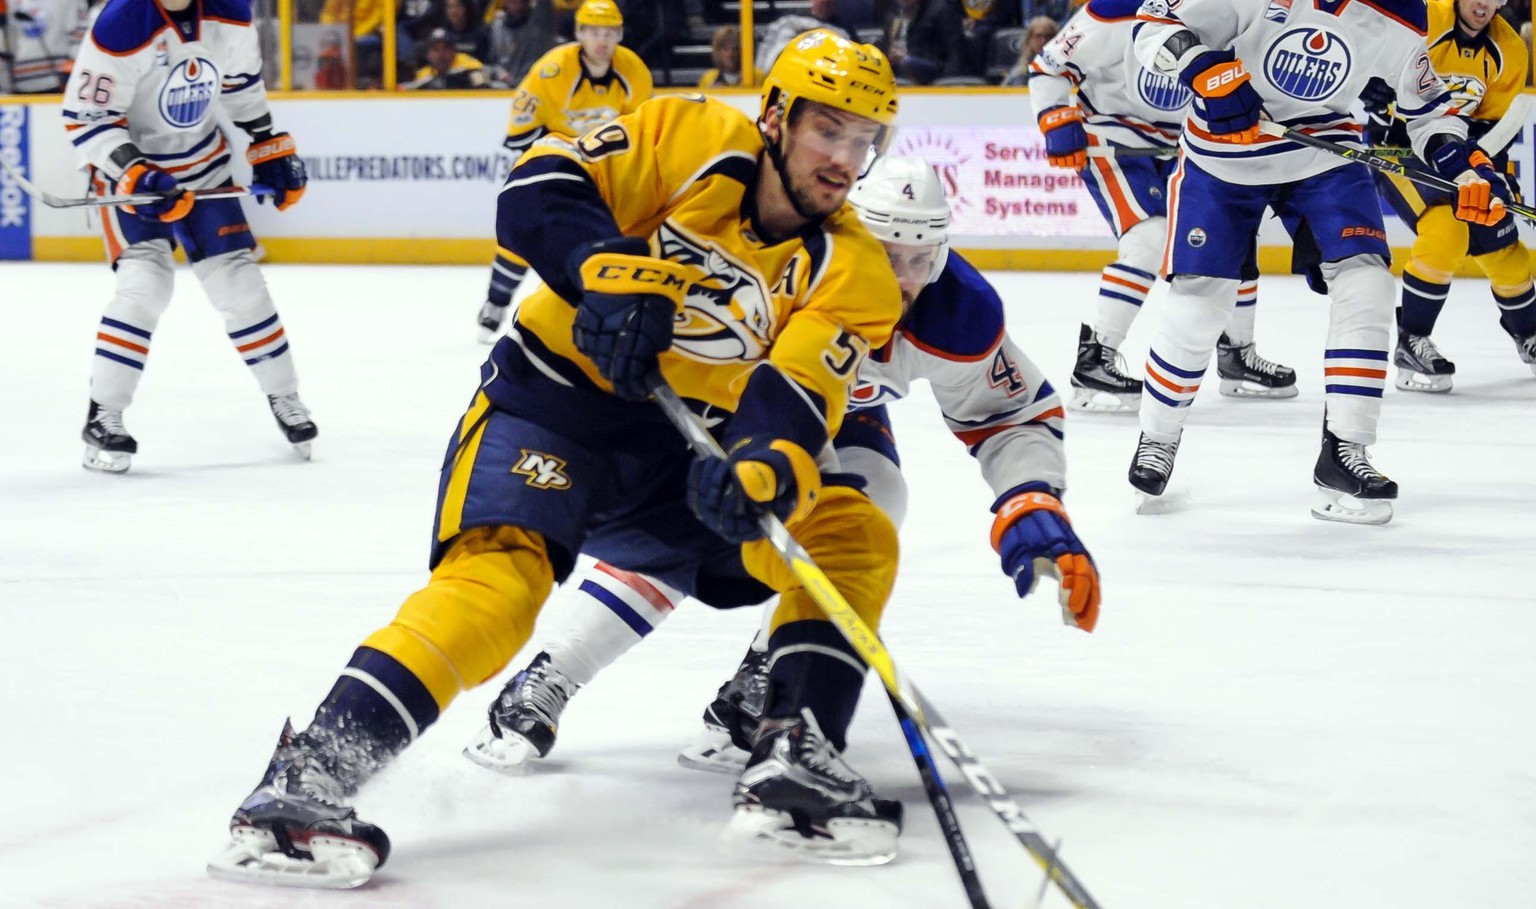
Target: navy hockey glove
{"type": "Point", "coordinates": [628, 305]}
{"type": "Point", "coordinates": [1066, 142]}
{"type": "Point", "coordinates": [1232, 105]}
{"type": "Point", "coordinates": [1475, 177]}
{"type": "Point", "coordinates": [275, 163]}
{"type": "Point", "coordinates": [756, 475]}
{"type": "Point", "coordinates": [1032, 534]}
{"type": "Point", "coordinates": [1377, 96]}
{"type": "Point", "coordinates": [143, 177]}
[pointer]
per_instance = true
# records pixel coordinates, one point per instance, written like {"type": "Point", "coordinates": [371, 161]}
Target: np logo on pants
{"type": "Point", "coordinates": [542, 470]}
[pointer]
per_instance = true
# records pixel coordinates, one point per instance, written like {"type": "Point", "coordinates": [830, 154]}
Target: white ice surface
{"type": "Point", "coordinates": [1274, 712]}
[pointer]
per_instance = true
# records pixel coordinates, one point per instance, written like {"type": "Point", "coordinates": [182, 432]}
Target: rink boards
{"type": "Point", "coordinates": [413, 178]}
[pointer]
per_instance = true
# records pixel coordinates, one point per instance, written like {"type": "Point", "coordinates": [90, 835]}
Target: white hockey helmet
{"type": "Point", "coordinates": [902, 202]}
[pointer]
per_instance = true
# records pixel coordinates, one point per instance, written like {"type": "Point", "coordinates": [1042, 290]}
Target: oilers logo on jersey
{"type": "Point", "coordinates": [726, 316]}
{"type": "Point", "coordinates": [1162, 92]}
{"type": "Point", "coordinates": [1307, 63]}
{"type": "Point", "coordinates": [188, 92]}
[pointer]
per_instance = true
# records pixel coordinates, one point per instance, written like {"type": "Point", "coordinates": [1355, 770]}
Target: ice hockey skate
{"type": "Point", "coordinates": [294, 420]}
{"type": "Point", "coordinates": [491, 317]}
{"type": "Point", "coordinates": [1526, 347]}
{"type": "Point", "coordinates": [797, 794]}
{"type": "Point", "coordinates": [1245, 374]}
{"type": "Point", "coordinates": [730, 721]}
{"type": "Point", "coordinates": [1349, 488]}
{"type": "Point", "coordinates": [108, 446]}
{"type": "Point", "coordinates": [523, 719]}
{"type": "Point", "coordinates": [296, 829]}
{"type": "Point", "coordinates": [1151, 467]}
{"type": "Point", "coordinates": [1421, 366]}
{"type": "Point", "coordinates": [1099, 382]}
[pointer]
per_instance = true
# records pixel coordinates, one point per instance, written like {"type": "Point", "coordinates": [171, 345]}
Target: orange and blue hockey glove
{"type": "Point", "coordinates": [1033, 536]}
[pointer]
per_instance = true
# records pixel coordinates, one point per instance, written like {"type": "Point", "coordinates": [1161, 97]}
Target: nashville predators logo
{"type": "Point", "coordinates": [583, 119]}
{"type": "Point", "coordinates": [1468, 92]}
{"type": "Point", "coordinates": [542, 470]}
{"type": "Point", "coordinates": [726, 314]}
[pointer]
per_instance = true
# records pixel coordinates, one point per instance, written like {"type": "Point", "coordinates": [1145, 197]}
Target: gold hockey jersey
{"type": "Point", "coordinates": [1484, 74]}
{"type": "Point", "coordinates": [681, 172]}
{"type": "Point", "coordinates": [559, 96]}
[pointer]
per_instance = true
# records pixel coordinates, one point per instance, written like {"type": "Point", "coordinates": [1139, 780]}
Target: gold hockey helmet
{"type": "Point", "coordinates": [604, 13]}
{"type": "Point", "coordinates": [827, 68]}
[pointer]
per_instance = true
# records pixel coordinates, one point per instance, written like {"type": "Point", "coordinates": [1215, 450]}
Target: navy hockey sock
{"type": "Point", "coordinates": [1518, 313]}
{"type": "Point", "coordinates": [1422, 302]}
{"type": "Point", "coordinates": [814, 666]}
{"type": "Point", "coordinates": [376, 708]}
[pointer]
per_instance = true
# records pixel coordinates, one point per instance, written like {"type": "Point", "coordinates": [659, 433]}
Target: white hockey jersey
{"type": "Point", "coordinates": [1123, 101]}
{"type": "Point", "coordinates": [1309, 60]}
{"type": "Point", "coordinates": [143, 79]}
{"type": "Point", "coordinates": [993, 398]}
{"type": "Point", "coordinates": [42, 36]}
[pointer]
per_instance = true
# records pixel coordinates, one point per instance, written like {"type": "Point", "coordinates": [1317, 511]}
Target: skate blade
{"type": "Point", "coordinates": [713, 752]}
{"type": "Point", "coordinates": [1239, 388]}
{"type": "Point", "coordinates": [253, 857]}
{"type": "Point", "coordinates": [304, 449]}
{"type": "Point", "coordinates": [1408, 380]}
{"type": "Point", "coordinates": [1333, 505]}
{"type": "Point", "coordinates": [510, 755]}
{"type": "Point", "coordinates": [765, 833]}
{"type": "Point", "coordinates": [1088, 401]}
{"type": "Point", "coordinates": [106, 461]}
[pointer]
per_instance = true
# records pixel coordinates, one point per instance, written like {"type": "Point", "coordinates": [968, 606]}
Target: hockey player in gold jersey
{"type": "Point", "coordinates": [682, 238]}
{"type": "Point", "coordinates": [571, 89]}
{"type": "Point", "coordinates": [1483, 62]}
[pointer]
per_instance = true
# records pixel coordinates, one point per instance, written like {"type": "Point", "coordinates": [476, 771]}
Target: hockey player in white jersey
{"type": "Point", "coordinates": [1311, 59]}
{"type": "Point", "coordinates": [1122, 105]}
{"type": "Point", "coordinates": [994, 400]}
{"type": "Point", "coordinates": [38, 38]}
{"type": "Point", "coordinates": [141, 110]}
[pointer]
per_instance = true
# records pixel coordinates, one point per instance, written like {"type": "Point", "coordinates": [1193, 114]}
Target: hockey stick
{"type": "Point", "coordinates": [1124, 151]}
{"type": "Point", "coordinates": [911, 705]}
{"type": "Point", "coordinates": [52, 201]}
{"type": "Point", "coordinates": [1270, 128]}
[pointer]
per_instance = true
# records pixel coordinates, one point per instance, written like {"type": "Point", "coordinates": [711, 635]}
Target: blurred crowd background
{"type": "Point", "coordinates": [341, 44]}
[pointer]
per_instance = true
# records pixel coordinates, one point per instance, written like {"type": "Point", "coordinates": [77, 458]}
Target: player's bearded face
{"type": "Point", "coordinates": [824, 153]}
{"type": "Point", "coordinates": [913, 265]}
{"type": "Point", "coordinates": [1477, 13]}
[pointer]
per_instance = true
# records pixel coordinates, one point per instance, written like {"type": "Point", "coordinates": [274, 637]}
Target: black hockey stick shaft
{"type": "Point", "coordinates": [943, 806]}
{"type": "Point", "coordinates": [1382, 164]}
{"type": "Point", "coordinates": [52, 201]}
{"type": "Point", "coordinates": [870, 648]}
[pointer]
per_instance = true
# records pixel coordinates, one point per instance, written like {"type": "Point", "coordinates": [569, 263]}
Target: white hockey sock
{"type": "Point", "coordinates": [145, 276]}
{"type": "Point", "coordinates": [1359, 338]}
{"type": "Point", "coordinates": [1125, 282]}
{"type": "Point", "coordinates": [1197, 309]}
{"type": "Point", "coordinates": [1239, 328]}
{"type": "Point", "coordinates": [1122, 290]}
{"type": "Point", "coordinates": [605, 612]}
{"type": "Point", "coordinates": [237, 290]}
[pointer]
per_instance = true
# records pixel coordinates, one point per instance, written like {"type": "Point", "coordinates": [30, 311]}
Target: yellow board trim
{"type": "Point", "coordinates": [1273, 260]}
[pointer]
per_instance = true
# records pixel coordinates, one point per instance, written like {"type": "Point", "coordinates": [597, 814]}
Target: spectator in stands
{"type": "Point", "coordinates": [925, 40]}
{"type": "Point", "coordinates": [651, 29]}
{"type": "Point", "coordinates": [725, 48]}
{"type": "Point", "coordinates": [520, 33]}
{"type": "Point", "coordinates": [447, 67]}
{"type": "Point", "coordinates": [415, 20]}
{"type": "Point", "coordinates": [783, 29]}
{"type": "Point", "coordinates": [465, 34]}
{"type": "Point", "coordinates": [982, 20]}
{"type": "Point", "coordinates": [1057, 11]}
{"type": "Point", "coordinates": [1038, 33]}
{"type": "Point", "coordinates": [367, 19]}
